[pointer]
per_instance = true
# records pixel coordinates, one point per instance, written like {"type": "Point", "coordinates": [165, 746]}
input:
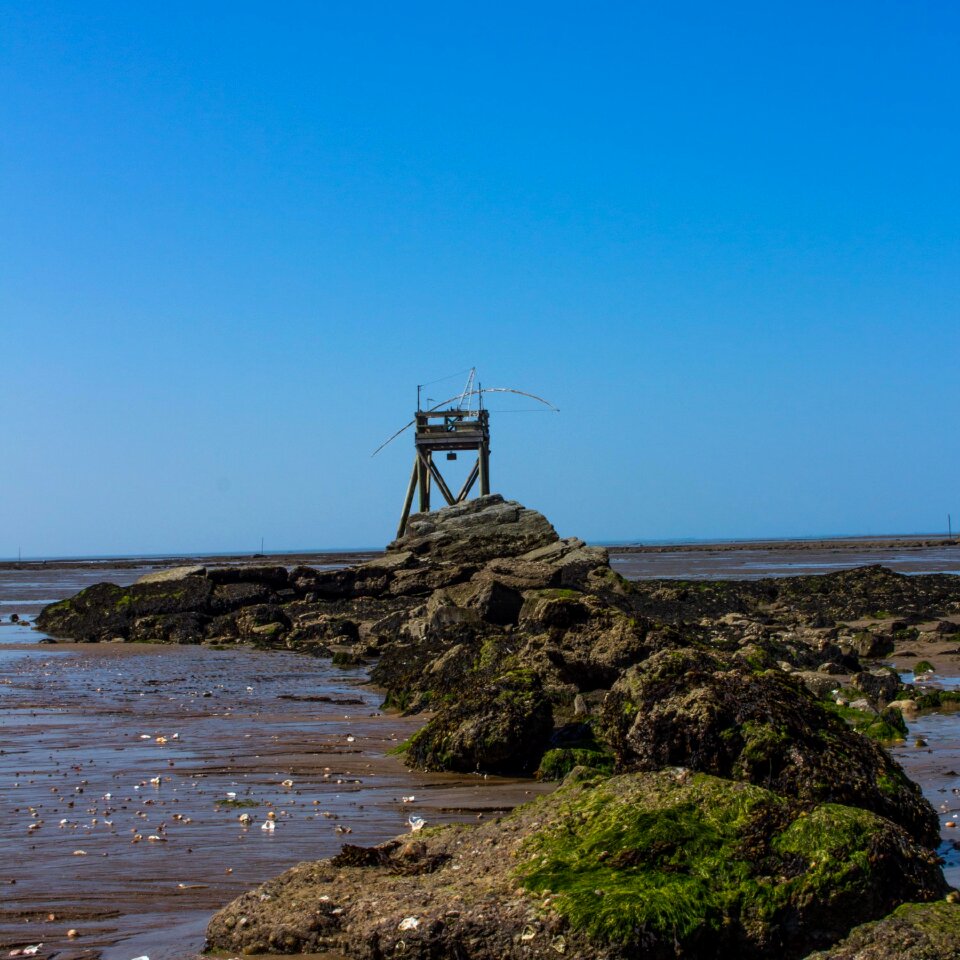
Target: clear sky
{"type": "Point", "coordinates": [724, 239]}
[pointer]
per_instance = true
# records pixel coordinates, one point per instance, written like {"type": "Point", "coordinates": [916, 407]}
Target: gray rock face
{"type": "Point", "coordinates": [172, 574]}
{"type": "Point", "coordinates": [476, 531]}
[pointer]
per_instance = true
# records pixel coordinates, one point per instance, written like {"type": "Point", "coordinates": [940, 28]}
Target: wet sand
{"type": "Point", "coordinates": [105, 746]}
{"type": "Point", "coordinates": [783, 558]}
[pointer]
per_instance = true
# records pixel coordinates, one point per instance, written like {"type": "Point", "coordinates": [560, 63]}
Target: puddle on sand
{"type": "Point", "coordinates": [104, 746]}
{"type": "Point", "coordinates": [936, 767]}
{"type": "Point", "coordinates": [931, 681]}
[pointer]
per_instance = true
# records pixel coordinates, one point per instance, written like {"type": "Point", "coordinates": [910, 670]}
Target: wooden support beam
{"type": "Point", "coordinates": [423, 482]}
{"type": "Point", "coordinates": [408, 500]}
{"type": "Point", "coordinates": [483, 458]}
{"type": "Point", "coordinates": [469, 482]}
{"type": "Point", "coordinates": [441, 483]}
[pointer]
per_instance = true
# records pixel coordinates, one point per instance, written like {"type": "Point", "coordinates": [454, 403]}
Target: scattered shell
{"type": "Point", "coordinates": [408, 923]}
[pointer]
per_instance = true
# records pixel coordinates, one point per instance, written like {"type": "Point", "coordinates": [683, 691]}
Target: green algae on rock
{"type": "Point", "coordinates": [705, 711]}
{"type": "Point", "coordinates": [481, 729]}
{"type": "Point", "coordinates": [658, 864]}
{"type": "Point", "coordinates": [914, 931]}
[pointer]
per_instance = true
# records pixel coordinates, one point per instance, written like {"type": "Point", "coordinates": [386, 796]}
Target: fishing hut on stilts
{"type": "Point", "coordinates": [459, 424]}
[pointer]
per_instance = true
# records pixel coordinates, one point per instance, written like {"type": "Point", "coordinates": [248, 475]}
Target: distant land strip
{"type": "Point", "coordinates": [349, 557]}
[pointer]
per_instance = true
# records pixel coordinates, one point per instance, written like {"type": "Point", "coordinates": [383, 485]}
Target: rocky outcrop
{"type": "Point", "coordinates": [725, 716]}
{"type": "Point", "coordinates": [656, 865]}
{"type": "Point", "coordinates": [501, 724]}
{"type": "Point", "coordinates": [475, 531]}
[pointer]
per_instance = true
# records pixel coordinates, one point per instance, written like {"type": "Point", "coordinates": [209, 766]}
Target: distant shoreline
{"type": "Point", "coordinates": [821, 543]}
{"type": "Point", "coordinates": [308, 558]}
{"type": "Point", "coordinates": [349, 557]}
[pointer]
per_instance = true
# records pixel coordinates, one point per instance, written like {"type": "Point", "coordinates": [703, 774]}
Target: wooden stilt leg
{"type": "Point", "coordinates": [408, 500]}
{"type": "Point", "coordinates": [484, 461]}
{"type": "Point", "coordinates": [423, 481]}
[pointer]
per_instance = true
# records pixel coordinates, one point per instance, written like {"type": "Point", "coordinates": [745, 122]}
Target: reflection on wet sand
{"type": "Point", "coordinates": [137, 782]}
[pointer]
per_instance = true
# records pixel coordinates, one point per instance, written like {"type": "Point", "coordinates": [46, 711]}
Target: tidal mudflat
{"type": "Point", "coordinates": [128, 772]}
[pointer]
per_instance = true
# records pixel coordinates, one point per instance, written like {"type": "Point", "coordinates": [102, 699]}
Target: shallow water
{"type": "Point", "coordinates": [936, 767]}
{"type": "Point", "coordinates": [80, 755]}
{"type": "Point", "coordinates": [756, 563]}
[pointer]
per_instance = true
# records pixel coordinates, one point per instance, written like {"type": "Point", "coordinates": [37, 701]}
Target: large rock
{"type": "Point", "coordinates": [476, 531]}
{"type": "Point", "coordinates": [105, 611]}
{"type": "Point", "coordinates": [915, 931]}
{"type": "Point", "coordinates": [717, 714]}
{"type": "Point", "coordinates": [657, 866]}
{"type": "Point", "coordinates": [498, 724]}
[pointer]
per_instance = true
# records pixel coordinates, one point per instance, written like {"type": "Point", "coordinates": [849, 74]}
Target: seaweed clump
{"type": "Point", "coordinates": [715, 867]}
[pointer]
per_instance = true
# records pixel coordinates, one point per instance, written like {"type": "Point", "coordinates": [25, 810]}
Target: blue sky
{"type": "Point", "coordinates": [724, 240]}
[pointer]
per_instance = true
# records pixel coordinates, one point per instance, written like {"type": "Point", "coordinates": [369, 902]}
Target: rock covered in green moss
{"type": "Point", "coordinates": [723, 715]}
{"type": "Point", "coordinates": [105, 611]}
{"type": "Point", "coordinates": [661, 865]}
{"type": "Point", "coordinates": [500, 725]}
{"type": "Point", "coordinates": [914, 931]}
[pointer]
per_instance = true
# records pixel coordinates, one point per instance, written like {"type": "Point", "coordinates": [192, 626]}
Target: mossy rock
{"type": "Point", "coordinates": [557, 763]}
{"type": "Point", "coordinates": [914, 931]}
{"type": "Point", "coordinates": [887, 726]}
{"type": "Point", "coordinates": [712, 713]}
{"type": "Point", "coordinates": [105, 610]}
{"type": "Point", "coordinates": [932, 699]}
{"type": "Point", "coordinates": [657, 866]}
{"type": "Point", "coordinates": [713, 868]}
{"type": "Point", "coordinates": [500, 725]}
